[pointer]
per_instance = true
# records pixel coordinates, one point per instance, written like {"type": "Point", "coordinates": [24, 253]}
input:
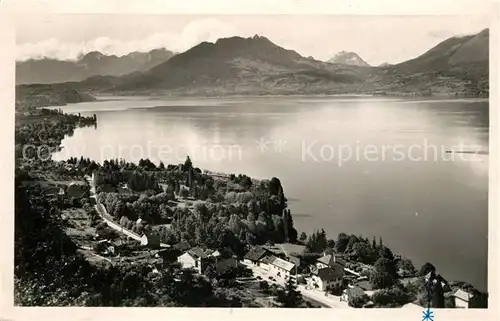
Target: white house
{"type": "Point", "coordinates": [326, 277]}
{"type": "Point", "coordinates": [462, 299]}
{"type": "Point", "coordinates": [281, 268]}
{"type": "Point", "coordinates": [194, 258]}
{"type": "Point", "coordinates": [351, 294]}
{"type": "Point", "coordinates": [266, 262]}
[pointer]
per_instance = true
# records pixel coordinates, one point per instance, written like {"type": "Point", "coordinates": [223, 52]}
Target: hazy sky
{"type": "Point", "coordinates": [376, 39]}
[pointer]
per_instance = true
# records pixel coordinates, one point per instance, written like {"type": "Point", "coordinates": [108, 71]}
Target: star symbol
{"type": "Point", "coordinates": [428, 315]}
{"type": "Point", "coordinates": [279, 145]}
{"type": "Point", "coordinates": [262, 144]}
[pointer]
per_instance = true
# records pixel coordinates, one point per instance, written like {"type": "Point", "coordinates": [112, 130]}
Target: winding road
{"type": "Point", "coordinates": [103, 213]}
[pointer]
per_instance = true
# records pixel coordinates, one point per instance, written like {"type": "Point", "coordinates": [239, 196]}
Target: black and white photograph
{"type": "Point", "coordinates": [313, 161]}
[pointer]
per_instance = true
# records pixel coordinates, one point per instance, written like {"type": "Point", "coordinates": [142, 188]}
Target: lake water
{"type": "Point", "coordinates": [368, 166]}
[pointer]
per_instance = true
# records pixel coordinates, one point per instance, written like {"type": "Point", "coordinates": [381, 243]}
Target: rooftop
{"type": "Point", "coordinates": [198, 252]}
{"type": "Point", "coordinates": [463, 295]}
{"type": "Point", "coordinates": [285, 265]}
{"type": "Point", "coordinates": [330, 259]}
{"type": "Point", "coordinates": [328, 274]}
{"type": "Point", "coordinates": [256, 253]}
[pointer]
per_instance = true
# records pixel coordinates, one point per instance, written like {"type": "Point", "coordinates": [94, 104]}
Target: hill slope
{"type": "Point", "coordinates": [46, 71]}
{"type": "Point", "coordinates": [458, 64]}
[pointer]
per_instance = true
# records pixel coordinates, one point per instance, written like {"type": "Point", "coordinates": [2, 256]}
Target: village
{"type": "Point", "coordinates": [326, 280]}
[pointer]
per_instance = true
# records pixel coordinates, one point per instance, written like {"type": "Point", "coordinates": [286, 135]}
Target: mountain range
{"type": "Point", "coordinates": [257, 66]}
{"type": "Point", "coordinates": [46, 71]}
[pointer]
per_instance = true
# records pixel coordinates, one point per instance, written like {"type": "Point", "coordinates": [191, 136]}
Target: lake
{"type": "Point", "coordinates": [361, 165]}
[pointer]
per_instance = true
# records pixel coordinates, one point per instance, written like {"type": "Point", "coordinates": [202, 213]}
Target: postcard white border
{"type": "Point", "coordinates": [11, 10]}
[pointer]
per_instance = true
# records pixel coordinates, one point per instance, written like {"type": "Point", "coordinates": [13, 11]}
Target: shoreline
{"type": "Point", "coordinates": [174, 165]}
{"type": "Point", "coordinates": [227, 174]}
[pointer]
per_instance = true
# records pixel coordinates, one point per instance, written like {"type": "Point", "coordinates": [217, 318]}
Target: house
{"type": "Point", "coordinates": [255, 254]}
{"type": "Point", "coordinates": [462, 298]}
{"type": "Point", "coordinates": [326, 278]}
{"type": "Point", "coordinates": [351, 294]}
{"type": "Point", "coordinates": [328, 260]}
{"type": "Point", "coordinates": [195, 258]}
{"type": "Point", "coordinates": [266, 262]}
{"type": "Point", "coordinates": [281, 268]}
{"type": "Point", "coordinates": [151, 240]}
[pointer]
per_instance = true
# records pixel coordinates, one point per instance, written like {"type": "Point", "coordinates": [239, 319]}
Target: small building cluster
{"type": "Point", "coordinates": [327, 274]}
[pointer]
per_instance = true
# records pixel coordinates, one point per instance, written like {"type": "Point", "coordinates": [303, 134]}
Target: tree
{"type": "Point", "coordinates": [393, 297]}
{"type": "Point", "coordinates": [210, 272]}
{"type": "Point", "coordinates": [251, 217]}
{"type": "Point", "coordinates": [264, 286]}
{"type": "Point", "coordinates": [438, 295]}
{"type": "Point", "coordinates": [364, 253]}
{"type": "Point", "coordinates": [290, 297]}
{"type": "Point", "coordinates": [385, 252]}
{"type": "Point", "coordinates": [317, 242]}
{"type": "Point", "coordinates": [183, 193]}
{"type": "Point", "coordinates": [342, 241]}
{"type": "Point", "coordinates": [188, 164]}
{"type": "Point", "coordinates": [426, 268]}
{"type": "Point", "coordinates": [358, 301]}
{"type": "Point", "coordinates": [303, 237]}
{"type": "Point", "coordinates": [384, 274]}
{"type": "Point", "coordinates": [406, 268]}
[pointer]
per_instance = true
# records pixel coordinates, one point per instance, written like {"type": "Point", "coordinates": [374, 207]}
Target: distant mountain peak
{"type": "Point", "coordinates": [348, 58]}
{"type": "Point", "coordinates": [93, 55]}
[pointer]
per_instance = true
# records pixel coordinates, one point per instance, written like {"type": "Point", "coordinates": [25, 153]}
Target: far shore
{"type": "Point", "coordinates": [111, 97]}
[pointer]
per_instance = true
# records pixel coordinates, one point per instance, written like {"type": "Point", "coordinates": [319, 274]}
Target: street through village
{"type": "Point", "coordinates": [329, 299]}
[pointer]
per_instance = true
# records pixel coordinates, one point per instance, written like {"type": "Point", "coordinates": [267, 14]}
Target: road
{"type": "Point", "coordinates": [103, 213]}
{"type": "Point", "coordinates": [330, 300]}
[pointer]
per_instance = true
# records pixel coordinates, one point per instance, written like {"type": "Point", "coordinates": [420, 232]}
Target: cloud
{"type": "Point", "coordinates": [194, 32]}
{"type": "Point", "coordinates": [441, 33]}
